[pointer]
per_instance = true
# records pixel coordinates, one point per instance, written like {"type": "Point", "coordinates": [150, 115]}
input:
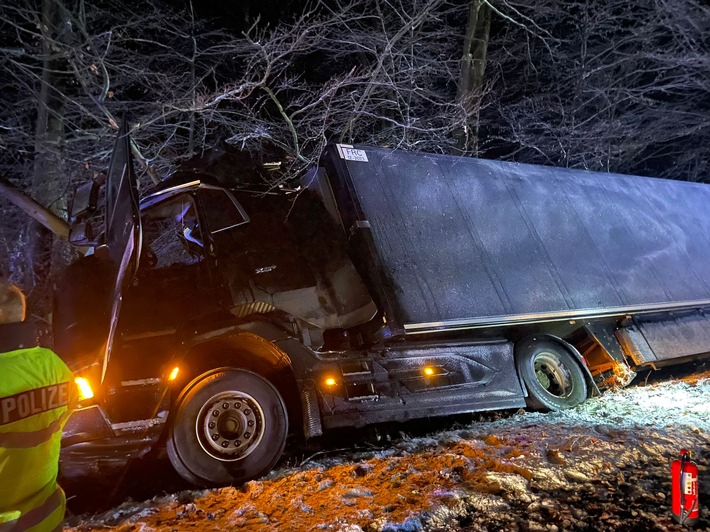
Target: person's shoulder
{"type": "Point", "coordinates": [28, 354]}
{"type": "Point", "coordinates": [42, 351]}
{"type": "Point", "coordinates": [47, 354]}
{"type": "Point", "coordinates": [38, 357]}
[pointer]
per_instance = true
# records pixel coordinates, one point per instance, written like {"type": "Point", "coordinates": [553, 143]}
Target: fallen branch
{"type": "Point", "coordinates": [33, 209]}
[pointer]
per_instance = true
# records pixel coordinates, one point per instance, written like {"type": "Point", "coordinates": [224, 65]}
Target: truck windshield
{"type": "Point", "coordinates": [172, 234]}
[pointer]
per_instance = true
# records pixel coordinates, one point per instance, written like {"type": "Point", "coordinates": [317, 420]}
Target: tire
{"type": "Point", "coordinates": [230, 427]}
{"type": "Point", "coordinates": [551, 374]}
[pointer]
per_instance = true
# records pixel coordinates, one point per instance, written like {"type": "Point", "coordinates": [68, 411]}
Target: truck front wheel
{"type": "Point", "coordinates": [230, 427]}
{"type": "Point", "coordinates": [553, 377]}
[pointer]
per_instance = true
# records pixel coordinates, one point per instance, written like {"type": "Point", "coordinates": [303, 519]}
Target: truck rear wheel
{"type": "Point", "coordinates": [553, 377]}
{"type": "Point", "coordinates": [230, 427]}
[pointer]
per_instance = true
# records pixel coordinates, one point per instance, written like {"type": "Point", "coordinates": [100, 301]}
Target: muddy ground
{"type": "Point", "coordinates": [602, 466]}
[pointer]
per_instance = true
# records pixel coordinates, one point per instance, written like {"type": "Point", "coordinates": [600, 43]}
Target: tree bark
{"type": "Point", "coordinates": [47, 178]}
{"type": "Point", "coordinates": [48, 183]}
{"type": "Point", "coordinates": [473, 68]}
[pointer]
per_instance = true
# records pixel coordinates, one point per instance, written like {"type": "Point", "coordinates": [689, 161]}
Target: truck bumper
{"type": "Point", "coordinates": [92, 446]}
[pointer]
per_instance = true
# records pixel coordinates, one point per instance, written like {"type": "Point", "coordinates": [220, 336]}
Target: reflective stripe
{"type": "Point", "coordinates": [24, 440]}
{"type": "Point", "coordinates": [35, 516]}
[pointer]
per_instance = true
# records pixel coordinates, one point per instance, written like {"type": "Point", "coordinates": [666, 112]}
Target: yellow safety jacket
{"type": "Point", "coordinates": [36, 393]}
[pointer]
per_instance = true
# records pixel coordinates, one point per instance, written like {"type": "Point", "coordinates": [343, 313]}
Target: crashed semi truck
{"type": "Point", "coordinates": [213, 319]}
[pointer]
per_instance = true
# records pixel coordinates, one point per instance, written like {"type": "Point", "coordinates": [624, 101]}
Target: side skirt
{"type": "Point", "coordinates": [411, 381]}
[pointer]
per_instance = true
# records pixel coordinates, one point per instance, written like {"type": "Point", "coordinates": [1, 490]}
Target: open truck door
{"type": "Point", "coordinates": [122, 228]}
{"type": "Point", "coordinates": [89, 294]}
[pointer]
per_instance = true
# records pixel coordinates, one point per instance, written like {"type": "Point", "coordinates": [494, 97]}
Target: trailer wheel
{"type": "Point", "coordinates": [552, 375]}
{"type": "Point", "coordinates": [230, 427]}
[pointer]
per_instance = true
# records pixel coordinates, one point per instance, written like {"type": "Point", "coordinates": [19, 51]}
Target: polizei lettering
{"type": "Point", "coordinates": [32, 402]}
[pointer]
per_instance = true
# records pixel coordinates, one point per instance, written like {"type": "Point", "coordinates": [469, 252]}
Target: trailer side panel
{"type": "Point", "coordinates": [467, 241]}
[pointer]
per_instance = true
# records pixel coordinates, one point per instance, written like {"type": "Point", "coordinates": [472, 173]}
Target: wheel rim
{"type": "Point", "coordinates": [552, 374]}
{"type": "Point", "coordinates": [230, 425]}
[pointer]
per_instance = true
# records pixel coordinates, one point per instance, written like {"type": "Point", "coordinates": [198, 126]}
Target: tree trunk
{"type": "Point", "coordinates": [473, 68]}
{"type": "Point", "coordinates": [48, 184]}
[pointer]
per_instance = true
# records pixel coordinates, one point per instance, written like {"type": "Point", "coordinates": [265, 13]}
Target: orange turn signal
{"type": "Point", "coordinates": [84, 388]}
{"type": "Point", "coordinates": [174, 373]}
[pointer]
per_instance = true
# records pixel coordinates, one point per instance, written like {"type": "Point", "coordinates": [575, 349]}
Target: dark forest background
{"type": "Point", "coordinates": [606, 85]}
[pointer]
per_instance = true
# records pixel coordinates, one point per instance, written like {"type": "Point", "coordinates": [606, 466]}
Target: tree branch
{"type": "Point", "coordinates": [33, 209]}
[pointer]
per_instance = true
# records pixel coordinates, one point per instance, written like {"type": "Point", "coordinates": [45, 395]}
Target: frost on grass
{"type": "Point", "coordinates": [601, 466]}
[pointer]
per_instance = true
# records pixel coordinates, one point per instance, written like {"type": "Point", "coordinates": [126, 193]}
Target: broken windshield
{"type": "Point", "coordinates": [172, 233]}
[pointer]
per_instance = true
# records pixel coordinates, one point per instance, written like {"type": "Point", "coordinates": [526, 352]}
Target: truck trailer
{"type": "Point", "coordinates": [216, 318]}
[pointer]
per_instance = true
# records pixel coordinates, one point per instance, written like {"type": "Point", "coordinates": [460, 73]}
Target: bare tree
{"type": "Point", "coordinates": [43, 147]}
{"type": "Point", "coordinates": [396, 85]}
{"type": "Point", "coordinates": [609, 85]}
{"type": "Point", "coordinates": [377, 72]}
{"type": "Point", "coordinates": [473, 68]}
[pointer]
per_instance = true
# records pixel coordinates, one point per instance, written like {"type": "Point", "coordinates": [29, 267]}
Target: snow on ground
{"type": "Point", "coordinates": [602, 466]}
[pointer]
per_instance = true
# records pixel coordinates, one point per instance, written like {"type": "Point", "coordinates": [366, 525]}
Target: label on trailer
{"type": "Point", "coordinates": [349, 153]}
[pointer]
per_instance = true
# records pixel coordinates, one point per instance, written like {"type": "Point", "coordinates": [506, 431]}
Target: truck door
{"type": "Point", "coordinates": [258, 258]}
{"type": "Point", "coordinates": [176, 284]}
{"type": "Point", "coordinates": [227, 225]}
{"type": "Point", "coordinates": [89, 293]}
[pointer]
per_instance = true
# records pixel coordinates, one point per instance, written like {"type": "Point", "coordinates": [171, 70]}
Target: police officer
{"type": "Point", "coordinates": [36, 394]}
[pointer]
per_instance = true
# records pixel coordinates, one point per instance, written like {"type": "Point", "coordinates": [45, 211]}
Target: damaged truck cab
{"type": "Point", "coordinates": [215, 320]}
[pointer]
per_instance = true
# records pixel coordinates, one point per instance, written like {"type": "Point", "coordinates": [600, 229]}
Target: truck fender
{"type": "Point", "coordinates": [186, 389]}
{"type": "Point", "coordinates": [278, 350]}
{"type": "Point", "coordinates": [259, 327]}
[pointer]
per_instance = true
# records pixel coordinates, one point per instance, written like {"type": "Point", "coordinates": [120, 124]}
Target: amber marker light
{"type": "Point", "coordinates": [330, 382]}
{"type": "Point", "coordinates": [85, 391]}
{"type": "Point", "coordinates": [428, 371]}
{"type": "Point", "coordinates": [174, 373]}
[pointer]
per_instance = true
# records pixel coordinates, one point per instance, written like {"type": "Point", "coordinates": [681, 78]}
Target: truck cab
{"type": "Point", "coordinates": [205, 276]}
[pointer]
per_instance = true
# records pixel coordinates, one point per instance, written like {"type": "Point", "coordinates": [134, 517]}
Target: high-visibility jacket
{"type": "Point", "coordinates": [36, 392]}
